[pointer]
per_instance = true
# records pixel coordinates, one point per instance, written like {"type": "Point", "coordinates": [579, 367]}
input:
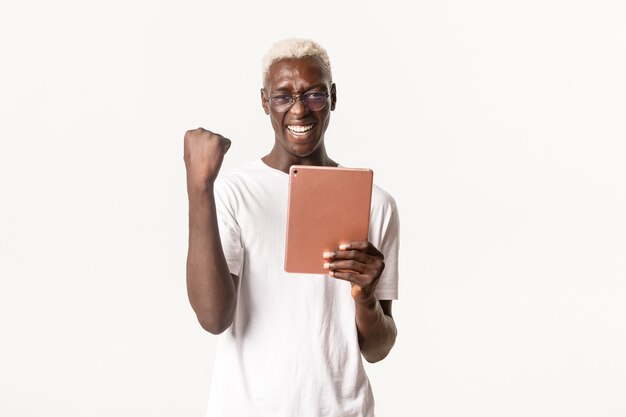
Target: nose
{"type": "Point", "coordinates": [298, 107]}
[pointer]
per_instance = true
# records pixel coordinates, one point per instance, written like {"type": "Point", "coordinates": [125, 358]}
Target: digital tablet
{"type": "Point", "coordinates": [327, 206]}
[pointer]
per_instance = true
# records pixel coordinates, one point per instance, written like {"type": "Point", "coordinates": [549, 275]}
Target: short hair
{"type": "Point", "coordinates": [295, 48]}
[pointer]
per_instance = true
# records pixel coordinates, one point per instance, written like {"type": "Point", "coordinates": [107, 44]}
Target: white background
{"type": "Point", "coordinates": [497, 125]}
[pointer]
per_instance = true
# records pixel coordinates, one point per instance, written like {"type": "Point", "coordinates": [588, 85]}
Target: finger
{"type": "Point", "coordinates": [226, 142]}
{"type": "Point", "coordinates": [347, 276]}
{"type": "Point", "coordinates": [349, 254]}
{"type": "Point", "coordinates": [355, 244]}
{"type": "Point", "coordinates": [346, 266]}
{"type": "Point", "coordinates": [362, 245]}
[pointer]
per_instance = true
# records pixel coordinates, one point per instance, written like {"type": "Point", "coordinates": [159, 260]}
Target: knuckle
{"type": "Point", "coordinates": [194, 133]}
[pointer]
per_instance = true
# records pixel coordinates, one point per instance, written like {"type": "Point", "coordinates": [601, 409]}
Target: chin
{"type": "Point", "coordinates": [303, 150]}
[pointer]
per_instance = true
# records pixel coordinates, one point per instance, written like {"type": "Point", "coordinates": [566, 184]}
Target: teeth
{"type": "Point", "coordinates": [299, 129]}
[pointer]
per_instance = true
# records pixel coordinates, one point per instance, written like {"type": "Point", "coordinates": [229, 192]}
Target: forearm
{"type": "Point", "coordinates": [210, 286]}
{"type": "Point", "coordinates": [376, 330]}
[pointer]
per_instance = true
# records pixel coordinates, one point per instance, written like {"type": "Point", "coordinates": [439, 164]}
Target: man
{"type": "Point", "coordinates": [290, 344]}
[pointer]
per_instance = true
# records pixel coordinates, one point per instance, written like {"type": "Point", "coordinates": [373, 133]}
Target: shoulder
{"type": "Point", "coordinates": [231, 184]}
{"type": "Point", "coordinates": [382, 200]}
{"type": "Point", "coordinates": [253, 180]}
{"type": "Point", "coordinates": [384, 223]}
{"type": "Point", "coordinates": [241, 173]}
{"type": "Point", "coordinates": [383, 213]}
{"type": "Point", "coordinates": [236, 179]}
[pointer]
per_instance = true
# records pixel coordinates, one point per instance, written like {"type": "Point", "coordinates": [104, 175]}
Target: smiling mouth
{"type": "Point", "coordinates": [300, 130]}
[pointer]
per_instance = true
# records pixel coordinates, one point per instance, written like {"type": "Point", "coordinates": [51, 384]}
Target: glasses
{"type": "Point", "coordinates": [312, 100]}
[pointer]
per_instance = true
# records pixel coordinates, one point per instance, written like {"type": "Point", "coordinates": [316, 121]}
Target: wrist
{"type": "Point", "coordinates": [365, 299]}
{"type": "Point", "coordinates": [199, 187]}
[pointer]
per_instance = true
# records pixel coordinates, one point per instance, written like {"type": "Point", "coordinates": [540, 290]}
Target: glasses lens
{"type": "Point", "coordinates": [281, 103]}
{"type": "Point", "coordinates": [315, 101]}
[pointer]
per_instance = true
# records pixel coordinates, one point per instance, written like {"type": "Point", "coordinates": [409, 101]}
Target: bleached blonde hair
{"type": "Point", "coordinates": [295, 48]}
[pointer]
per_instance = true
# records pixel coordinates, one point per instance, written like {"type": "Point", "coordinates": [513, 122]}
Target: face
{"type": "Point", "coordinates": [299, 132]}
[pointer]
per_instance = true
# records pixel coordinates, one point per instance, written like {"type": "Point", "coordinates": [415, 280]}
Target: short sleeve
{"type": "Point", "coordinates": [230, 233]}
{"type": "Point", "coordinates": [385, 235]}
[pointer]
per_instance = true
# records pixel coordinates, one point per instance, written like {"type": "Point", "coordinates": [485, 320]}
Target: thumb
{"type": "Point", "coordinates": [226, 143]}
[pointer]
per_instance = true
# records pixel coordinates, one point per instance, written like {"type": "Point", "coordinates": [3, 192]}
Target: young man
{"type": "Point", "coordinates": [290, 344]}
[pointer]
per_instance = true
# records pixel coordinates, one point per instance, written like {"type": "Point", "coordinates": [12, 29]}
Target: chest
{"type": "Point", "coordinates": [262, 217]}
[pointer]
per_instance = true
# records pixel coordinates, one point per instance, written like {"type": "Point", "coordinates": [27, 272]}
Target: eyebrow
{"type": "Point", "coordinates": [286, 87]}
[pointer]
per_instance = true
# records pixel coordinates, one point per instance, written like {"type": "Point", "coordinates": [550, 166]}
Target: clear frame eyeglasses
{"type": "Point", "coordinates": [312, 100]}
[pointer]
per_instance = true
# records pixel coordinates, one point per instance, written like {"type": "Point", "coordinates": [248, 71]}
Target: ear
{"type": "Point", "coordinates": [333, 96]}
{"type": "Point", "coordinates": [264, 103]}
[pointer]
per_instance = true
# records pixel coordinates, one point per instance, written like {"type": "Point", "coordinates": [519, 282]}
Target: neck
{"type": "Point", "coordinates": [282, 162]}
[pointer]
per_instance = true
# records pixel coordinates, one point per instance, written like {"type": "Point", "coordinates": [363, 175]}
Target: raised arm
{"type": "Point", "coordinates": [210, 285]}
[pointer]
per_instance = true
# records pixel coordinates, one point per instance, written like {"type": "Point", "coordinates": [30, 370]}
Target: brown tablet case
{"type": "Point", "coordinates": [327, 206]}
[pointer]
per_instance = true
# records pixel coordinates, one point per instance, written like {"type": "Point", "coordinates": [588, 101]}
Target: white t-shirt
{"type": "Point", "coordinates": [292, 349]}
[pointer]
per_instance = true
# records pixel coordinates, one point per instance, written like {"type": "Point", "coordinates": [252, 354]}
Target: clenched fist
{"type": "Point", "coordinates": [204, 153]}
